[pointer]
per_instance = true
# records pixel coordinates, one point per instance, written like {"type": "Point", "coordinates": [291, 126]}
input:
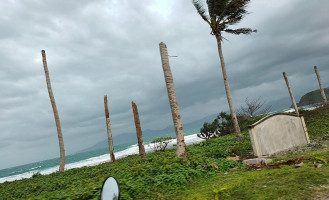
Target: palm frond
{"type": "Point", "coordinates": [228, 11]}
{"type": "Point", "coordinates": [202, 12]}
{"type": "Point", "coordinates": [211, 6]}
{"type": "Point", "coordinates": [216, 7]}
{"type": "Point", "coordinates": [239, 31]}
{"type": "Point", "coordinates": [223, 13]}
{"type": "Point", "coordinates": [236, 10]}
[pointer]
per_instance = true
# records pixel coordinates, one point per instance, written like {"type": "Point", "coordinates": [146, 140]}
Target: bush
{"type": "Point", "coordinates": [223, 125]}
{"type": "Point", "coordinates": [209, 131]}
{"type": "Point", "coordinates": [161, 143]}
{"type": "Point", "coordinates": [36, 174]}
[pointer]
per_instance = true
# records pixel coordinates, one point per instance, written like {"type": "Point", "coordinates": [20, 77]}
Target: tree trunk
{"type": "Point", "coordinates": [108, 127]}
{"type": "Point", "coordinates": [324, 98]}
{"type": "Point", "coordinates": [138, 131]}
{"type": "Point", "coordinates": [181, 151]}
{"type": "Point", "coordinates": [290, 93]}
{"type": "Point", "coordinates": [228, 91]}
{"type": "Point", "coordinates": [53, 104]}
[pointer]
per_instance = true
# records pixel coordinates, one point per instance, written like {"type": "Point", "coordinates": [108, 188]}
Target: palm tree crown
{"type": "Point", "coordinates": [223, 13]}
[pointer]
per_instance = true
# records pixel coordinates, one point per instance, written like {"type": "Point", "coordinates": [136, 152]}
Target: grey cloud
{"type": "Point", "coordinates": [111, 47]}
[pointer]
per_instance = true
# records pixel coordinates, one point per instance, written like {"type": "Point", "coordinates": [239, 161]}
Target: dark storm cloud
{"type": "Point", "coordinates": [111, 47]}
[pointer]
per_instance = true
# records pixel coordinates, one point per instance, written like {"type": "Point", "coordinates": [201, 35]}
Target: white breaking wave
{"type": "Point", "coordinates": [290, 110]}
{"type": "Point", "coordinates": [189, 139]}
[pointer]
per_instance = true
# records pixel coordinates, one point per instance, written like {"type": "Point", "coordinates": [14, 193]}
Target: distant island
{"type": "Point", "coordinates": [313, 97]}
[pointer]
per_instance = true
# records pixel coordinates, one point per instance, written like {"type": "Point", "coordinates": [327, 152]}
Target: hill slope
{"type": "Point", "coordinates": [313, 97]}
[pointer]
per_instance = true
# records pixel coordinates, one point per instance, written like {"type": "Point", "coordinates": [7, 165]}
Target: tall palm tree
{"type": "Point", "coordinates": [53, 104]}
{"type": "Point", "coordinates": [181, 150]}
{"type": "Point", "coordinates": [108, 128]}
{"type": "Point", "coordinates": [222, 14]}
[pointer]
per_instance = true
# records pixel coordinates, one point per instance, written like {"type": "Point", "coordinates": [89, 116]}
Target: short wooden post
{"type": "Point", "coordinates": [324, 98]}
{"type": "Point", "coordinates": [138, 131]}
{"type": "Point", "coordinates": [290, 93]}
{"type": "Point", "coordinates": [109, 132]}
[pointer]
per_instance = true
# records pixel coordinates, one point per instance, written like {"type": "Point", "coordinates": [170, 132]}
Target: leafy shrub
{"type": "Point", "coordinates": [226, 125]}
{"type": "Point", "coordinates": [223, 125]}
{"type": "Point", "coordinates": [161, 143]}
{"type": "Point", "coordinates": [36, 174]}
{"type": "Point", "coordinates": [209, 131]}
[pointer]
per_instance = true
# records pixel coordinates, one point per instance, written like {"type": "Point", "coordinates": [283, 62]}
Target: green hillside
{"type": "Point", "coordinates": [312, 97]}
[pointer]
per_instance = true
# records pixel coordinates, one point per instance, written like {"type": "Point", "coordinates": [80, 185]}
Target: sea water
{"type": "Point", "coordinates": [89, 158]}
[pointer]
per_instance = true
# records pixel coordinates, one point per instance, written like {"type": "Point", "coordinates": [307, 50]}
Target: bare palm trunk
{"type": "Point", "coordinates": [181, 151]}
{"type": "Point", "coordinates": [290, 93]}
{"type": "Point", "coordinates": [108, 127]}
{"type": "Point", "coordinates": [138, 131]}
{"type": "Point", "coordinates": [324, 98]}
{"type": "Point", "coordinates": [53, 104]}
{"type": "Point", "coordinates": [228, 91]}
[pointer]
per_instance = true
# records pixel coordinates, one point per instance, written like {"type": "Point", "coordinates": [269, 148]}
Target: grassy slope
{"type": "Point", "coordinates": [287, 182]}
{"type": "Point", "coordinates": [206, 174]}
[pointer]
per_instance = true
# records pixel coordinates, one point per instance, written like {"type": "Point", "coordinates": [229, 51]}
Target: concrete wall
{"type": "Point", "coordinates": [278, 132]}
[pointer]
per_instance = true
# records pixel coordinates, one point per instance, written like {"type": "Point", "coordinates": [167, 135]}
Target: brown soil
{"type": "Point", "coordinates": [276, 166]}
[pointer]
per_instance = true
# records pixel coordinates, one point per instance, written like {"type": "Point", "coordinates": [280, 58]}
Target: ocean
{"type": "Point", "coordinates": [89, 158]}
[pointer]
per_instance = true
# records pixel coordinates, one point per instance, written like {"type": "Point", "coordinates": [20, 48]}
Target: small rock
{"type": "Point", "coordinates": [266, 161]}
{"type": "Point", "coordinates": [299, 165]}
{"type": "Point", "coordinates": [254, 161]}
{"type": "Point", "coordinates": [236, 158]}
{"type": "Point", "coordinates": [319, 165]}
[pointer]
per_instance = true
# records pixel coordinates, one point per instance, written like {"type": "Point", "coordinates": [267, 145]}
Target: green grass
{"type": "Point", "coordinates": [206, 174]}
{"type": "Point", "coordinates": [288, 182]}
{"type": "Point", "coordinates": [157, 173]}
{"type": "Point", "coordinates": [317, 122]}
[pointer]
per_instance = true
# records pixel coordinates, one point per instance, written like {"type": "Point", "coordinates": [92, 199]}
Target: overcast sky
{"type": "Point", "coordinates": [112, 47]}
